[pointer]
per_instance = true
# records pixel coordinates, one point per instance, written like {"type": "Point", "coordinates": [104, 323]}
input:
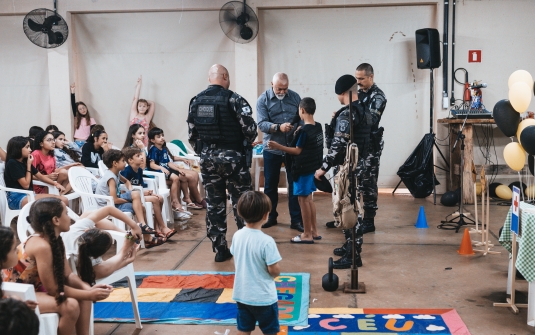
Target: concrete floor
{"type": "Point", "coordinates": [403, 267]}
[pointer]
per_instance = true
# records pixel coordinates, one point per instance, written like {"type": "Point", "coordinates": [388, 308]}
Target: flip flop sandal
{"type": "Point", "coordinates": [298, 239]}
{"type": "Point", "coordinates": [192, 205]}
{"type": "Point", "coordinates": [154, 242]}
{"type": "Point", "coordinates": [317, 238]}
{"type": "Point", "coordinates": [146, 230]}
{"type": "Point", "coordinates": [170, 233]}
{"type": "Point", "coordinates": [160, 234]}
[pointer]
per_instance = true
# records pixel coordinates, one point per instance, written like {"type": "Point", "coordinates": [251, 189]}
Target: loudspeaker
{"type": "Point", "coordinates": [427, 48]}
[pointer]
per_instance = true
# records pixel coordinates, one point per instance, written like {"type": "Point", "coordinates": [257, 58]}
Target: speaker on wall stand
{"type": "Point", "coordinates": [428, 57]}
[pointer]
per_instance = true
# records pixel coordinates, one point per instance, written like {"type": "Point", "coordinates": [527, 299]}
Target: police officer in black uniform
{"type": "Point", "coordinates": [337, 138]}
{"type": "Point", "coordinates": [222, 130]}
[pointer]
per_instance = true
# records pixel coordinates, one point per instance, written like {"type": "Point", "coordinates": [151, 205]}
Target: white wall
{"type": "Point", "coordinates": [112, 50]}
{"type": "Point", "coordinates": [24, 93]}
{"type": "Point", "coordinates": [315, 49]}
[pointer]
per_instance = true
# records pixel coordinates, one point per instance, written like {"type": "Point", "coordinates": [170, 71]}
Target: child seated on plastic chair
{"type": "Point", "coordinates": [134, 173]}
{"type": "Point", "coordinates": [129, 201]}
{"type": "Point", "coordinates": [17, 318]}
{"type": "Point", "coordinates": [89, 240]}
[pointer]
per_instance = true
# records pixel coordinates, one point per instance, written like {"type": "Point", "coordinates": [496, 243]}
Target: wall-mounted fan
{"type": "Point", "coordinates": [238, 21]}
{"type": "Point", "coordinates": [45, 28]}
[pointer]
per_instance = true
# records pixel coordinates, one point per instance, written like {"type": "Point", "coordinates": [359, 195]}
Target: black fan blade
{"type": "Point", "coordinates": [52, 37]}
{"type": "Point", "coordinates": [59, 37]}
{"type": "Point", "coordinates": [531, 164]}
{"type": "Point", "coordinates": [34, 26]}
{"type": "Point", "coordinates": [49, 21]}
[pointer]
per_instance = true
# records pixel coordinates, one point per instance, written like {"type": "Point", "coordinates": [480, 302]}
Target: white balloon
{"type": "Point", "coordinates": [520, 75]}
{"type": "Point", "coordinates": [520, 96]}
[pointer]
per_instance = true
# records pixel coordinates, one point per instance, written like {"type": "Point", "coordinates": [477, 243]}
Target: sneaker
{"type": "Point", "coordinates": [223, 254]}
{"type": "Point", "coordinates": [270, 223]}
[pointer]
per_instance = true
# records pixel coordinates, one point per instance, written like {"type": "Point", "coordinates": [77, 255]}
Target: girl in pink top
{"type": "Point", "coordinates": [45, 162]}
{"type": "Point", "coordinates": [82, 120]}
{"type": "Point", "coordinates": [142, 111]}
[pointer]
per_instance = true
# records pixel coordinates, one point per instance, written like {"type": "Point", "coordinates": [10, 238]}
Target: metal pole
{"type": "Point", "coordinates": [445, 50]}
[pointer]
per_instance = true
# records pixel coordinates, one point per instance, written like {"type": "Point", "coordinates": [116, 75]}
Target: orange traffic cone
{"type": "Point", "coordinates": [466, 244]}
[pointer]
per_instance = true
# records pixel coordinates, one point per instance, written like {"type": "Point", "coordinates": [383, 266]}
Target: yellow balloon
{"type": "Point", "coordinates": [530, 191]}
{"type": "Point", "coordinates": [514, 156]}
{"type": "Point", "coordinates": [520, 96]}
{"type": "Point", "coordinates": [478, 188]}
{"type": "Point", "coordinates": [520, 75]}
{"type": "Point", "coordinates": [504, 192]}
{"type": "Point", "coordinates": [522, 125]}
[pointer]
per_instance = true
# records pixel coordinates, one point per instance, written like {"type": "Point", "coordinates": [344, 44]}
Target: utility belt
{"type": "Point", "coordinates": [245, 148]}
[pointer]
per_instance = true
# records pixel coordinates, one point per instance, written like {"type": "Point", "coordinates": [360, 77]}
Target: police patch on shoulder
{"type": "Point", "coordinates": [206, 111]}
{"type": "Point", "coordinates": [344, 125]}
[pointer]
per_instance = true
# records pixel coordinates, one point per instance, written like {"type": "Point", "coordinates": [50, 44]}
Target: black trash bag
{"type": "Point", "coordinates": [417, 171]}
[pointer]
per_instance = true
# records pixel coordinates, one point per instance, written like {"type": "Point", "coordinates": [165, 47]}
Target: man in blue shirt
{"type": "Point", "coordinates": [277, 109]}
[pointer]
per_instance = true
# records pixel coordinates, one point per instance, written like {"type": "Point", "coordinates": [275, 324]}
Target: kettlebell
{"type": "Point", "coordinates": [329, 282]}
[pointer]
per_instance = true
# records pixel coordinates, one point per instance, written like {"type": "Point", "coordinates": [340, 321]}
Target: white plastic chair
{"type": "Point", "coordinates": [9, 214]}
{"type": "Point", "coordinates": [48, 322]}
{"type": "Point", "coordinates": [81, 182]}
{"type": "Point", "coordinates": [177, 152]}
{"type": "Point", "coordinates": [148, 205]}
{"type": "Point", "coordinates": [24, 229]}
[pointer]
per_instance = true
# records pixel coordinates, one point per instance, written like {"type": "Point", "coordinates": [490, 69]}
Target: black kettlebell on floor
{"type": "Point", "coordinates": [329, 282]}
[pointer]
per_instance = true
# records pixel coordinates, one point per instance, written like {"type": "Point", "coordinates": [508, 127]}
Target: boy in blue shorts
{"type": "Point", "coordinates": [129, 201]}
{"type": "Point", "coordinates": [256, 259]}
{"type": "Point", "coordinates": [307, 155]}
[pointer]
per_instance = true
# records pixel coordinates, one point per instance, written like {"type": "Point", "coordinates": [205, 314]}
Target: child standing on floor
{"type": "Point", "coordinates": [129, 201]}
{"type": "Point", "coordinates": [307, 155]}
{"type": "Point", "coordinates": [134, 173]}
{"type": "Point", "coordinates": [256, 259]}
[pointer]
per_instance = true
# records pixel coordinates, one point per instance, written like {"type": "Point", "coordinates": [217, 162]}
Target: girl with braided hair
{"type": "Point", "coordinates": [88, 239]}
{"type": "Point", "coordinates": [42, 262]}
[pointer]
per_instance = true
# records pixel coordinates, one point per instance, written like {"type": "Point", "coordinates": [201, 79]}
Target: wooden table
{"type": "Point", "coordinates": [454, 180]}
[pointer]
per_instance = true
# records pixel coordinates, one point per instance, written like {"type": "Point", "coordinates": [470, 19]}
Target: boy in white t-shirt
{"type": "Point", "coordinates": [256, 259]}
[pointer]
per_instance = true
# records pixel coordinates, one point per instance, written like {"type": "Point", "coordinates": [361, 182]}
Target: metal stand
{"type": "Point", "coordinates": [452, 224]}
{"type": "Point", "coordinates": [431, 119]}
{"type": "Point", "coordinates": [354, 286]}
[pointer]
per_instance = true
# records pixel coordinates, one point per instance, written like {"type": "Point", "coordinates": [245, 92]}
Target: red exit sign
{"type": "Point", "coordinates": [474, 56]}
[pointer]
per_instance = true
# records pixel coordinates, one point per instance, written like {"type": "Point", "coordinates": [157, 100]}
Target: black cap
{"type": "Point", "coordinates": [344, 83]}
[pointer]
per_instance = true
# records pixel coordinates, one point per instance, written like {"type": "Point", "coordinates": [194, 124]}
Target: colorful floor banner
{"type": "Point", "coordinates": [186, 297]}
{"type": "Point", "coordinates": [345, 321]}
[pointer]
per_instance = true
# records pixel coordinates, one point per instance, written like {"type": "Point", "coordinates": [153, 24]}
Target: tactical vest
{"type": "Point", "coordinates": [215, 121]}
{"type": "Point", "coordinates": [311, 157]}
{"type": "Point", "coordinates": [361, 130]}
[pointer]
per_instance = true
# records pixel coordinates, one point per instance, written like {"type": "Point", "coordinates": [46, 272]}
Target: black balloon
{"type": "Point", "coordinates": [527, 139]}
{"type": "Point", "coordinates": [517, 184]}
{"type": "Point", "coordinates": [531, 164]}
{"type": "Point", "coordinates": [449, 199]}
{"type": "Point", "coordinates": [506, 118]}
{"type": "Point", "coordinates": [492, 189]}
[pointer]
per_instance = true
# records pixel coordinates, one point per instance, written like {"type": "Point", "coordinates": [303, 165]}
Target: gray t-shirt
{"type": "Point", "coordinates": [102, 186]}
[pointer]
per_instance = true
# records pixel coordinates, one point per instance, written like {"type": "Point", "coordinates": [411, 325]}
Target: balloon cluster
{"type": "Point", "coordinates": [507, 117]}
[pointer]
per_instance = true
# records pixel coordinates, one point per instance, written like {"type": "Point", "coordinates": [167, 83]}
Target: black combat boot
{"type": "Point", "coordinates": [368, 225]}
{"type": "Point", "coordinates": [223, 254]}
{"type": "Point", "coordinates": [346, 260]}
{"type": "Point", "coordinates": [343, 249]}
